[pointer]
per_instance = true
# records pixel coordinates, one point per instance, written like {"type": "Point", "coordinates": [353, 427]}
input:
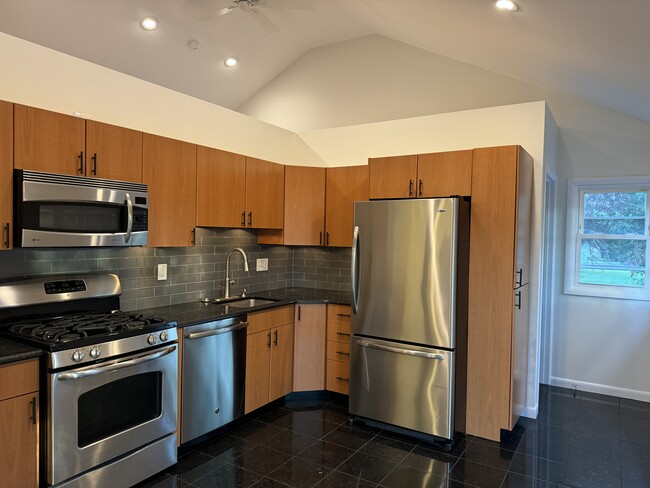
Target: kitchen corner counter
{"type": "Point", "coordinates": [11, 351]}
{"type": "Point", "coordinates": [192, 313]}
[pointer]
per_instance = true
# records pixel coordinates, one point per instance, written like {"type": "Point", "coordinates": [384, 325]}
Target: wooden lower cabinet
{"type": "Point", "coordinates": [338, 348]}
{"type": "Point", "coordinates": [309, 351]}
{"type": "Point", "coordinates": [269, 357]}
{"type": "Point", "coordinates": [19, 424]}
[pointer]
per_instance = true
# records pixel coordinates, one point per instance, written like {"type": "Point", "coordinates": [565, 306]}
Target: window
{"type": "Point", "coordinates": [608, 250]}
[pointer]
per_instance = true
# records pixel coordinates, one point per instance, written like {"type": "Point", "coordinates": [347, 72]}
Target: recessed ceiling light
{"type": "Point", "coordinates": [507, 5]}
{"type": "Point", "coordinates": [149, 23]}
{"type": "Point", "coordinates": [231, 61]}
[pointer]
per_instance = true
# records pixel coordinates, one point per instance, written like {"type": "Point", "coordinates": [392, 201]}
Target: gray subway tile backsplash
{"type": "Point", "coordinates": [192, 272]}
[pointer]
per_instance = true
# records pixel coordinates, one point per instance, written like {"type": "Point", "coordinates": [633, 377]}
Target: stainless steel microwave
{"type": "Point", "coordinates": [52, 210]}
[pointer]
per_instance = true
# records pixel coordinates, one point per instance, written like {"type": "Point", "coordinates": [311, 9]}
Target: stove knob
{"type": "Point", "coordinates": [77, 356]}
{"type": "Point", "coordinates": [163, 336]}
{"type": "Point", "coordinates": [151, 339]}
{"type": "Point", "coordinates": [95, 352]}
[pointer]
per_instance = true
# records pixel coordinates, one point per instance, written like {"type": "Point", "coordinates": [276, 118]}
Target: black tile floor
{"type": "Point", "coordinates": [579, 440]}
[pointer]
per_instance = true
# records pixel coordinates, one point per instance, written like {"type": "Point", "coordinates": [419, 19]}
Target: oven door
{"type": "Point", "coordinates": [101, 412]}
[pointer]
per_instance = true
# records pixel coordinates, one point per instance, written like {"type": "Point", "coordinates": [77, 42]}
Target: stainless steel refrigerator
{"type": "Point", "coordinates": [409, 314]}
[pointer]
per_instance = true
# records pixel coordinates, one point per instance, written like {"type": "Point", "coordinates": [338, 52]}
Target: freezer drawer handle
{"type": "Point", "coordinates": [115, 365]}
{"type": "Point", "coordinates": [223, 330]}
{"type": "Point", "coordinates": [399, 350]}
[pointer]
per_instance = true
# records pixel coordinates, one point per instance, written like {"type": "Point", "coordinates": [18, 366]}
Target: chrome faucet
{"type": "Point", "coordinates": [228, 280]}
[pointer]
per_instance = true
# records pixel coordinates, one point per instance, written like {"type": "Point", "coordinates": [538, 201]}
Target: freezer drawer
{"type": "Point", "coordinates": [407, 386]}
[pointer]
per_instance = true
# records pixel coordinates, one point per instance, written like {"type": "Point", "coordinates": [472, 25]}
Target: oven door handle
{"type": "Point", "coordinates": [115, 365]}
{"type": "Point", "coordinates": [129, 218]}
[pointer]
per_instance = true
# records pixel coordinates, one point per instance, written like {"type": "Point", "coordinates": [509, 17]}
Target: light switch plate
{"type": "Point", "coordinates": [162, 272]}
{"type": "Point", "coordinates": [262, 264]}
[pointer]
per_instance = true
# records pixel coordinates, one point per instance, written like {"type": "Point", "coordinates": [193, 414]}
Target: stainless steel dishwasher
{"type": "Point", "coordinates": [213, 375]}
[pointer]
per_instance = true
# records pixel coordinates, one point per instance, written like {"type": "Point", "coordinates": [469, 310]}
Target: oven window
{"type": "Point", "coordinates": [77, 217]}
{"type": "Point", "coordinates": [118, 406]}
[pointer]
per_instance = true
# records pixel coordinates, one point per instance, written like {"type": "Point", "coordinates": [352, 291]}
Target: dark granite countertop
{"type": "Point", "coordinates": [11, 351]}
{"type": "Point", "coordinates": [196, 312]}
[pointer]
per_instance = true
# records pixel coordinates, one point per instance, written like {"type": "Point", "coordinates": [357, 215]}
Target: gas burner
{"type": "Point", "coordinates": [63, 329]}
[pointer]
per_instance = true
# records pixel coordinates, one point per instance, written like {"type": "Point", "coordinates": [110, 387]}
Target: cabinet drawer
{"type": "Point", "coordinates": [339, 315]}
{"type": "Point", "coordinates": [270, 318]}
{"type": "Point", "coordinates": [338, 376]}
{"type": "Point", "coordinates": [338, 332]}
{"type": "Point", "coordinates": [18, 378]}
{"type": "Point", "coordinates": [338, 351]}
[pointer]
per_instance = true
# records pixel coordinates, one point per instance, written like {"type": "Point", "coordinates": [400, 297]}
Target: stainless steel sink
{"type": "Point", "coordinates": [250, 302]}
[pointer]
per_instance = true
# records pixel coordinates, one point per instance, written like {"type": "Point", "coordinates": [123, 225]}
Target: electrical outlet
{"type": "Point", "coordinates": [262, 264]}
{"type": "Point", "coordinates": [162, 272]}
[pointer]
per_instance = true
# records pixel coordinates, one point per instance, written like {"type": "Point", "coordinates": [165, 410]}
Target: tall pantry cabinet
{"type": "Point", "coordinates": [6, 172]}
{"type": "Point", "coordinates": [498, 289]}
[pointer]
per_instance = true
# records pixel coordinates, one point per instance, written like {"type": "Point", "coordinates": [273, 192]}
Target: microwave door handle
{"type": "Point", "coordinates": [114, 365]}
{"type": "Point", "coordinates": [129, 218]}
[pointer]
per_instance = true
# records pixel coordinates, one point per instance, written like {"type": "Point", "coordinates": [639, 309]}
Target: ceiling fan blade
{"type": "Point", "coordinates": [290, 4]}
{"type": "Point", "coordinates": [264, 22]}
{"type": "Point", "coordinates": [217, 13]}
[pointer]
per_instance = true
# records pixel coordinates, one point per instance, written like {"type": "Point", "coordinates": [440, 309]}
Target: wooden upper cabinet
{"type": "Point", "coordinates": [6, 170]}
{"type": "Point", "coordinates": [422, 175]}
{"type": "Point", "coordinates": [264, 194]}
{"type": "Point", "coordinates": [112, 152]}
{"type": "Point", "coordinates": [48, 141]}
{"type": "Point", "coordinates": [169, 168]}
{"type": "Point", "coordinates": [345, 185]}
{"type": "Point", "coordinates": [392, 177]}
{"type": "Point", "coordinates": [444, 174]}
{"type": "Point", "coordinates": [221, 188]}
{"type": "Point", "coordinates": [58, 143]}
{"type": "Point", "coordinates": [304, 209]}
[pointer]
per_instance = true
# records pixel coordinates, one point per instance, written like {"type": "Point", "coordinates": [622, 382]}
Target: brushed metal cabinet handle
{"type": "Point", "coordinates": [268, 339]}
{"type": "Point", "coordinates": [94, 170]}
{"type": "Point", "coordinates": [7, 235]}
{"type": "Point", "coordinates": [81, 163]}
{"type": "Point", "coordinates": [340, 378]}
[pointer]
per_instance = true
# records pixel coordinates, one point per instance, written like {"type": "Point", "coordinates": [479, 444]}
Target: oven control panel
{"type": "Point", "coordinates": [108, 350]}
{"type": "Point", "coordinates": [65, 286]}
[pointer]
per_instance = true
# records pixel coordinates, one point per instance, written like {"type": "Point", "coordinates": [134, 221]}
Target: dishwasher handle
{"type": "Point", "coordinates": [222, 330]}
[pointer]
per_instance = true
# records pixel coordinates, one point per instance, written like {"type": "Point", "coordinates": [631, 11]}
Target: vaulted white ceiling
{"type": "Point", "coordinates": [596, 50]}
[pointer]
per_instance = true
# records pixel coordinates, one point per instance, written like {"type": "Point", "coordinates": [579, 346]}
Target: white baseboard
{"type": "Point", "coordinates": [530, 412]}
{"type": "Point", "coordinates": [643, 396]}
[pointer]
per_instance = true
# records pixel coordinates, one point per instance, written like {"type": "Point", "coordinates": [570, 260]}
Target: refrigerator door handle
{"type": "Point", "coordinates": [355, 271]}
{"type": "Point", "coordinates": [399, 350]}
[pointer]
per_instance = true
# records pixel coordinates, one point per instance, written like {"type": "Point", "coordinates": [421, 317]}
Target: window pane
{"type": "Point", "coordinates": [613, 262]}
{"type": "Point", "coordinates": [615, 213]}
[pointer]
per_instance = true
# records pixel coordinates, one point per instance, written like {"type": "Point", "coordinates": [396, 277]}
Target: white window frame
{"type": "Point", "coordinates": [575, 189]}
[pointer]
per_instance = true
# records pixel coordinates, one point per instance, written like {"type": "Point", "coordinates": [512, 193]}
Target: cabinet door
{"type": "Point", "coordinates": [6, 169]}
{"type": "Point", "coordinates": [18, 432]}
{"type": "Point", "coordinates": [264, 194]}
{"type": "Point", "coordinates": [281, 362]}
{"type": "Point", "coordinates": [169, 168]}
{"type": "Point", "coordinates": [345, 185]}
{"type": "Point", "coordinates": [338, 376]}
{"type": "Point", "coordinates": [519, 354]}
{"type": "Point", "coordinates": [221, 188]}
{"type": "Point", "coordinates": [309, 348]}
{"type": "Point", "coordinates": [112, 152]}
{"type": "Point", "coordinates": [393, 177]}
{"type": "Point", "coordinates": [521, 274]}
{"type": "Point", "coordinates": [491, 255]}
{"type": "Point", "coordinates": [445, 174]}
{"type": "Point", "coordinates": [48, 141]}
{"type": "Point", "coordinates": [304, 206]}
{"type": "Point", "coordinates": [258, 356]}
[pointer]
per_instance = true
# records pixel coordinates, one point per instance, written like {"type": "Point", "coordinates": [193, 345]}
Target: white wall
{"type": "Point", "coordinates": [40, 77]}
{"type": "Point", "coordinates": [599, 344]}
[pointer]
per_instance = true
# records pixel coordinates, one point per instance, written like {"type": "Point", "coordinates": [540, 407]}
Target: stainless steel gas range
{"type": "Point", "coordinates": [109, 379]}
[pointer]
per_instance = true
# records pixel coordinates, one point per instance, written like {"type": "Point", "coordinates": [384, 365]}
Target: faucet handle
{"type": "Point", "coordinates": [243, 293]}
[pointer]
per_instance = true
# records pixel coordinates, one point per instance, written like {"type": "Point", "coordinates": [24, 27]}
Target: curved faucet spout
{"type": "Point", "coordinates": [228, 280]}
